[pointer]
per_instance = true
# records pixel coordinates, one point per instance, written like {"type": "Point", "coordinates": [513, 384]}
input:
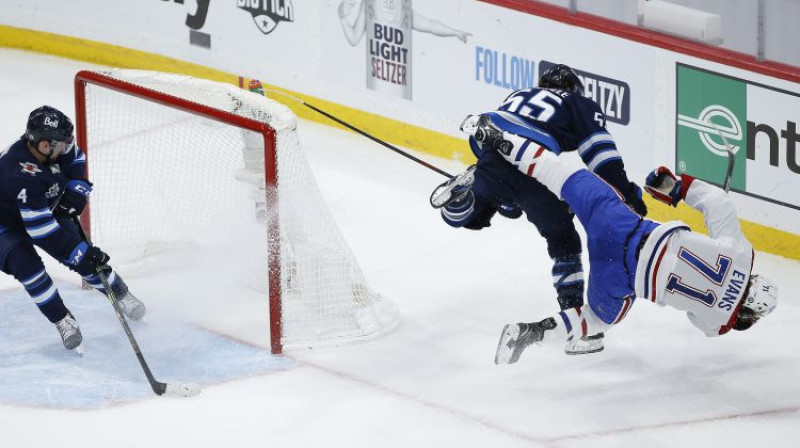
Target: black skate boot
{"type": "Point", "coordinates": [515, 338]}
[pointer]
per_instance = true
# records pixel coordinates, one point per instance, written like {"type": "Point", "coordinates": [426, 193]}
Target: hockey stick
{"type": "Point", "coordinates": [365, 134]}
{"type": "Point", "coordinates": [166, 389]}
{"type": "Point", "coordinates": [731, 159]}
{"type": "Point", "coordinates": [441, 196]}
{"type": "Point", "coordinates": [729, 174]}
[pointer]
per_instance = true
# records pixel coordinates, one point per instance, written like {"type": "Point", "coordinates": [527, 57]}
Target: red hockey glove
{"type": "Point", "coordinates": [665, 187]}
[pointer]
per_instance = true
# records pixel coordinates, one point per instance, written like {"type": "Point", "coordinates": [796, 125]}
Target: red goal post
{"type": "Point", "coordinates": [360, 295]}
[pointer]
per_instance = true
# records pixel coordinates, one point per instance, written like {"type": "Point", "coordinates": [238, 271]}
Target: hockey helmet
{"type": "Point", "coordinates": [762, 296]}
{"type": "Point", "coordinates": [561, 76]}
{"type": "Point", "coordinates": [49, 123]}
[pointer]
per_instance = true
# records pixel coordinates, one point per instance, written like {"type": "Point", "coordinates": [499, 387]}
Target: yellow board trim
{"type": "Point", "coordinates": [763, 238]}
{"type": "Point", "coordinates": [393, 131]}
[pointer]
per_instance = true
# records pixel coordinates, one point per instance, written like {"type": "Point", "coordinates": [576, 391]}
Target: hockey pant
{"type": "Point", "coordinates": [19, 258]}
{"type": "Point", "coordinates": [613, 231]}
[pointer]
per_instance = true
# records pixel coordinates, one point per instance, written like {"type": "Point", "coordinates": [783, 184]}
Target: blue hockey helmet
{"type": "Point", "coordinates": [561, 76]}
{"type": "Point", "coordinates": [49, 123]}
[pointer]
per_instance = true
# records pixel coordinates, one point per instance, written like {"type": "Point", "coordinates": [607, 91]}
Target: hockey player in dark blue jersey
{"type": "Point", "coordinates": [558, 116]}
{"type": "Point", "coordinates": [43, 186]}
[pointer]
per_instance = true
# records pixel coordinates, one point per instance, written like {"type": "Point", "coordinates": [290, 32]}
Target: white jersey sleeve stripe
{"type": "Point", "coordinates": [599, 137]}
{"type": "Point", "coordinates": [32, 215]}
{"type": "Point", "coordinates": [43, 230]}
{"type": "Point", "coordinates": [602, 158]}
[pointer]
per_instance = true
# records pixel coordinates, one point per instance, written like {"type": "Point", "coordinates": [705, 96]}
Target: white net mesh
{"type": "Point", "coordinates": [168, 181]}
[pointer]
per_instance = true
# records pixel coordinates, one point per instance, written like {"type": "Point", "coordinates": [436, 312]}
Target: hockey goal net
{"type": "Point", "coordinates": [214, 172]}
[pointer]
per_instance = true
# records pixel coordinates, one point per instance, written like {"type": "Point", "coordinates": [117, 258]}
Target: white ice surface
{"type": "Point", "coordinates": [430, 383]}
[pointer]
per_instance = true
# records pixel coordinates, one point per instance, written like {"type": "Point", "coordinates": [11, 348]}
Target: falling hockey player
{"type": "Point", "coordinates": [708, 277]}
{"type": "Point", "coordinates": [572, 122]}
{"type": "Point", "coordinates": [43, 186]}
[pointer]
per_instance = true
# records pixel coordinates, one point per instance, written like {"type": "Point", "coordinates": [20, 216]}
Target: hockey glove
{"type": "Point", "coordinates": [460, 212]}
{"type": "Point", "coordinates": [664, 186]}
{"type": "Point", "coordinates": [461, 194]}
{"type": "Point", "coordinates": [634, 200]}
{"type": "Point", "coordinates": [91, 260]}
{"type": "Point", "coordinates": [73, 201]}
{"type": "Point", "coordinates": [455, 189]}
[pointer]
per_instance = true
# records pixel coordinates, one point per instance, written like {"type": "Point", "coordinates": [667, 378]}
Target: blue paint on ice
{"type": "Point", "coordinates": [36, 370]}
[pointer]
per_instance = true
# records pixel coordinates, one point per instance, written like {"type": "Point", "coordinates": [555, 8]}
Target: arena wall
{"type": "Point", "coordinates": [412, 80]}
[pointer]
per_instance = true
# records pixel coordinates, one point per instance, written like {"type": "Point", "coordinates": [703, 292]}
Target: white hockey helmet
{"type": "Point", "coordinates": [762, 295]}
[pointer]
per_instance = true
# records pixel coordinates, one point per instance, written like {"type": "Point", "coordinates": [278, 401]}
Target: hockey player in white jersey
{"type": "Point", "coordinates": [708, 277]}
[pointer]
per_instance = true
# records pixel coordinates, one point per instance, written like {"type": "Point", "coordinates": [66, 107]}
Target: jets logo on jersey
{"type": "Point", "coordinates": [30, 168]}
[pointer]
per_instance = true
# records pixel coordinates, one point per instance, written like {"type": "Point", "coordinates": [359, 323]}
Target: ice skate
{"type": "Point", "coordinates": [70, 333]}
{"type": "Point", "coordinates": [131, 307]}
{"type": "Point", "coordinates": [486, 132]}
{"type": "Point", "coordinates": [515, 338]}
{"type": "Point", "coordinates": [584, 346]}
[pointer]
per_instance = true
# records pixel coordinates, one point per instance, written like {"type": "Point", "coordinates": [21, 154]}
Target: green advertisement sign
{"type": "Point", "coordinates": [711, 120]}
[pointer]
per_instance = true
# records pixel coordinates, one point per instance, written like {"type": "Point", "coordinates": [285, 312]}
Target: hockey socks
{"type": "Point", "coordinates": [568, 281]}
{"type": "Point", "coordinates": [578, 323]}
{"type": "Point", "coordinates": [117, 285]}
{"type": "Point", "coordinates": [45, 294]}
{"type": "Point", "coordinates": [29, 270]}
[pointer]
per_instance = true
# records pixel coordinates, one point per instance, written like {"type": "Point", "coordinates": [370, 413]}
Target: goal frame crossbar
{"type": "Point", "coordinates": [85, 77]}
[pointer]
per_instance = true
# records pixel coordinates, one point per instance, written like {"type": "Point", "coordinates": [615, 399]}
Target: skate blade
{"type": "Point", "coordinates": [584, 351]}
{"type": "Point", "coordinates": [504, 352]}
